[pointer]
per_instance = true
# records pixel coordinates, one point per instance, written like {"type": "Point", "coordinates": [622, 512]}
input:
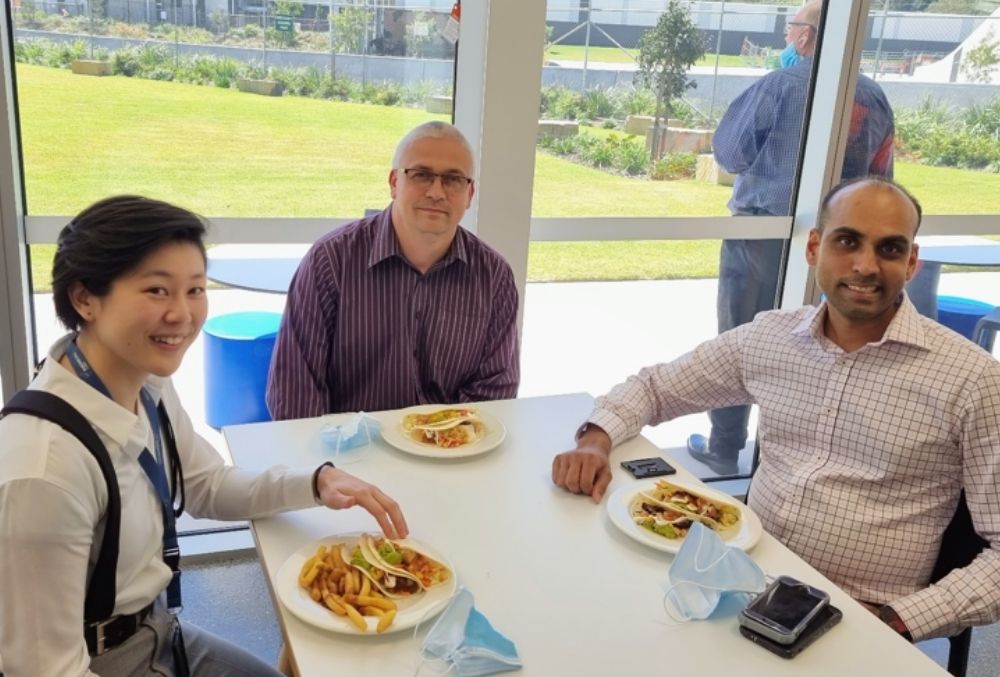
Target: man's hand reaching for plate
{"type": "Point", "coordinates": [585, 470]}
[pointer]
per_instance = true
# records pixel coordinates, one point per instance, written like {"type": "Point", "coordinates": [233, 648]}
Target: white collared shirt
{"type": "Point", "coordinates": [863, 454]}
{"type": "Point", "coordinates": [53, 496]}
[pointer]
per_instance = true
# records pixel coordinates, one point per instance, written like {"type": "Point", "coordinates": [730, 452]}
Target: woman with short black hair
{"type": "Point", "coordinates": [129, 282]}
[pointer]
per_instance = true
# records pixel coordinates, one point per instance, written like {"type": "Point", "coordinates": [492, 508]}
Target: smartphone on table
{"type": "Point", "coordinates": [784, 610]}
{"type": "Point", "coordinates": [642, 468]}
{"type": "Point", "coordinates": [826, 618]}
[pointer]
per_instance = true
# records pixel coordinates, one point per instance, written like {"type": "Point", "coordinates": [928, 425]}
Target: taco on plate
{"type": "Point", "coordinates": [404, 561]}
{"type": "Point", "coordinates": [392, 584]}
{"type": "Point", "coordinates": [446, 428]}
{"type": "Point", "coordinates": [667, 504]}
{"type": "Point", "coordinates": [653, 515]}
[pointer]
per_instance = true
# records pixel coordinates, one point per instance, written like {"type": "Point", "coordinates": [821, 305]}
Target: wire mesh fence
{"type": "Point", "coordinates": [343, 26]}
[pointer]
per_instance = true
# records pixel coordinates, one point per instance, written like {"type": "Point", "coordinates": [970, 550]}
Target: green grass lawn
{"type": "Point", "coordinates": [224, 153]}
{"type": "Point", "coordinates": [560, 52]}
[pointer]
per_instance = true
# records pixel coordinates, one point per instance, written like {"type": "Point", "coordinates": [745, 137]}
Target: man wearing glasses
{"type": "Point", "coordinates": [404, 307]}
{"type": "Point", "coordinates": [758, 140]}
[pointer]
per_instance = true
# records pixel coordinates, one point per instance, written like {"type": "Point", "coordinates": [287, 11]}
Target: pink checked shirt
{"type": "Point", "coordinates": [863, 454]}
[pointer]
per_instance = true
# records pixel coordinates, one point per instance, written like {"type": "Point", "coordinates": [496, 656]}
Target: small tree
{"type": "Point", "coordinates": [349, 26]}
{"type": "Point", "coordinates": [666, 52]}
{"type": "Point", "coordinates": [980, 61]}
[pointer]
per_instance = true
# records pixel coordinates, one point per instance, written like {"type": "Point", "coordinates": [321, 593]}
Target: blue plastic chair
{"type": "Point", "coordinates": [986, 329]}
{"type": "Point", "coordinates": [238, 349]}
{"type": "Point", "coordinates": [961, 314]}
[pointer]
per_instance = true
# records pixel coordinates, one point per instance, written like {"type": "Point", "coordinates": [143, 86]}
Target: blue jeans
{"type": "Point", "coordinates": [748, 284]}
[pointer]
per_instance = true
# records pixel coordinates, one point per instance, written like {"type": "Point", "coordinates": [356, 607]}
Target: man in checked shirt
{"type": "Point", "coordinates": [758, 140]}
{"type": "Point", "coordinates": [873, 418]}
{"type": "Point", "coordinates": [404, 307]}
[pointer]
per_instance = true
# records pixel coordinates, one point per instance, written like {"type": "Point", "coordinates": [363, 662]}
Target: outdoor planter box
{"type": "Point", "coordinates": [265, 87]}
{"type": "Point", "coordinates": [438, 104]}
{"type": "Point", "coordinates": [640, 124]}
{"type": "Point", "coordinates": [90, 67]}
{"type": "Point", "coordinates": [709, 170]}
{"type": "Point", "coordinates": [681, 140]}
{"type": "Point", "coordinates": [557, 128]}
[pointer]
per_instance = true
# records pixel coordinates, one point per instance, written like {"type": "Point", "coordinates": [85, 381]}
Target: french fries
{"type": "Point", "coordinates": [344, 590]}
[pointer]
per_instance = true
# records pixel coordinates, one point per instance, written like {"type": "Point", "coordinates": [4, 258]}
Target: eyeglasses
{"type": "Point", "coordinates": [452, 183]}
{"type": "Point", "coordinates": [788, 26]}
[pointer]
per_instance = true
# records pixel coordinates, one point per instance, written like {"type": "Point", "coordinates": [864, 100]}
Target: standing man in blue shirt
{"type": "Point", "coordinates": [758, 140]}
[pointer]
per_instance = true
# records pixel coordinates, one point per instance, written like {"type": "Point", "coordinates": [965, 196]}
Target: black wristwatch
{"type": "Point", "coordinates": [315, 484]}
{"type": "Point", "coordinates": [585, 428]}
{"type": "Point", "coordinates": [889, 616]}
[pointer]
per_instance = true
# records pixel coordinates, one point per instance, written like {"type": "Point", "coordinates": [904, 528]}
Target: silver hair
{"type": "Point", "coordinates": [434, 129]}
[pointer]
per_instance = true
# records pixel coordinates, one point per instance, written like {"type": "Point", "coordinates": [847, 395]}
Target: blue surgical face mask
{"type": "Point", "coordinates": [703, 570]}
{"type": "Point", "coordinates": [464, 638]}
{"type": "Point", "coordinates": [353, 435]}
{"type": "Point", "coordinates": [789, 57]}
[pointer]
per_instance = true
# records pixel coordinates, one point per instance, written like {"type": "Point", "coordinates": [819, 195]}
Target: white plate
{"type": "Point", "coordinates": [744, 538]}
{"type": "Point", "coordinates": [392, 432]}
{"type": "Point", "coordinates": [413, 610]}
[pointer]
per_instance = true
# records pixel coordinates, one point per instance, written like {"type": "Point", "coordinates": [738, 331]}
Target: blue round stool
{"type": "Point", "coordinates": [961, 314]}
{"type": "Point", "coordinates": [238, 349]}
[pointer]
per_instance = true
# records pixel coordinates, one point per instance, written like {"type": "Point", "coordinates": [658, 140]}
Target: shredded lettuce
{"type": "Point", "coordinates": [357, 559]}
{"type": "Point", "coordinates": [388, 553]}
{"type": "Point", "coordinates": [666, 530]}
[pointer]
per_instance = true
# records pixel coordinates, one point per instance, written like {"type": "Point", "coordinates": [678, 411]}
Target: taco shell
{"type": "Point", "coordinates": [446, 428]}
{"type": "Point", "coordinates": [391, 584]}
{"type": "Point", "coordinates": [717, 515]}
{"type": "Point", "coordinates": [402, 560]}
{"type": "Point", "coordinates": [665, 521]}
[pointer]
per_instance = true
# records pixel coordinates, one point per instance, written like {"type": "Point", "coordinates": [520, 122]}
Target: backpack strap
{"type": "Point", "coordinates": [100, 601]}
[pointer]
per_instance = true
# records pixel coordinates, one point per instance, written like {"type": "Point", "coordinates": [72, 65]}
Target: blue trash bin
{"type": "Point", "coordinates": [961, 314]}
{"type": "Point", "coordinates": [238, 349]}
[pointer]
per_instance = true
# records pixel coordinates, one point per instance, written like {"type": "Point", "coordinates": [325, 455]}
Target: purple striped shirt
{"type": "Point", "coordinates": [364, 330]}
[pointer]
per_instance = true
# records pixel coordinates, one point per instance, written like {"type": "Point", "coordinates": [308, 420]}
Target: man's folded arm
{"type": "Point", "coordinates": [743, 129]}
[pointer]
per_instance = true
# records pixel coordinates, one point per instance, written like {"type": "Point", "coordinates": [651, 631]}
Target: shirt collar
{"type": "Point", "coordinates": [117, 423]}
{"type": "Point", "coordinates": [905, 327]}
{"type": "Point", "coordinates": [385, 244]}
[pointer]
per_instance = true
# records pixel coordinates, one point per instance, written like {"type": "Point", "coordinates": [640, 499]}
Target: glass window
{"type": "Point", "coordinates": [607, 125]}
{"type": "Point", "coordinates": [940, 68]}
{"type": "Point", "coordinates": [613, 142]}
{"type": "Point", "coordinates": [251, 108]}
{"type": "Point", "coordinates": [255, 108]}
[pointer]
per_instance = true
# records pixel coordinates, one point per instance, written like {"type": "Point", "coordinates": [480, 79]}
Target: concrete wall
{"type": "Point", "coordinates": [356, 67]}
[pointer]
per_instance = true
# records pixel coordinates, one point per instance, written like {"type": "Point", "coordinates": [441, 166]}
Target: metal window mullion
{"type": "Point", "coordinates": [498, 89]}
{"type": "Point", "coordinates": [17, 339]}
{"type": "Point", "coordinates": [266, 230]}
{"type": "Point", "coordinates": [829, 117]}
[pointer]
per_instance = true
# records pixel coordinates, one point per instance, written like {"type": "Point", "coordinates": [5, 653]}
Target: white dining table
{"type": "Point", "coordinates": [549, 569]}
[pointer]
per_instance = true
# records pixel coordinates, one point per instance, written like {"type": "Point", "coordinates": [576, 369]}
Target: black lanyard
{"type": "Point", "coordinates": [152, 467]}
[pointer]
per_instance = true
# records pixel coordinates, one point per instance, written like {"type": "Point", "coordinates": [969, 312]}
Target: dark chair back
{"type": "Point", "coordinates": [960, 544]}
